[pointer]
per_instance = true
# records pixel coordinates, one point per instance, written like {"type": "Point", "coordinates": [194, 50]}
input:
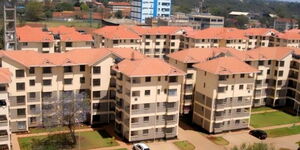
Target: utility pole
{"type": "Point", "coordinates": [9, 15]}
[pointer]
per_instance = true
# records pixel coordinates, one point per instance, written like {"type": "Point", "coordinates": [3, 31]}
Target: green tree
{"type": "Point", "coordinates": [34, 11]}
{"type": "Point", "coordinates": [241, 21]}
{"type": "Point", "coordinates": [84, 7]}
{"type": "Point", "coordinates": [119, 14]}
{"type": "Point", "coordinates": [64, 7]}
{"type": "Point", "coordinates": [254, 146]}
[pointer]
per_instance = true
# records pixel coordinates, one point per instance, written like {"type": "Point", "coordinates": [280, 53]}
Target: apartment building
{"type": "Point", "coordinates": [282, 24]}
{"type": "Point", "coordinates": [290, 38]}
{"type": "Point", "coordinates": [116, 37]}
{"type": "Point", "coordinates": [184, 60]}
{"type": "Point", "coordinates": [5, 78]}
{"type": "Point", "coordinates": [223, 94]}
{"type": "Point", "coordinates": [151, 41]}
{"type": "Point", "coordinates": [37, 39]}
{"type": "Point", "coordinates": [273, 64]}
{"type": "Point", "coordinates": [142, 9]}
{"type": "Point", "coordinates": [52, 40]}
{"type": "Point", "coordinates": [216, 37]}
{"type": "Point", "coordinates": [293, 91]}
{"type": "Point", "coordinates": [68, 38]}
{"type": "Point", "coordinates": [36, 84]}
{"type": "Point", "coordinates": [147, 98]}
{"type": "Point", "coordinates": [261, 37]}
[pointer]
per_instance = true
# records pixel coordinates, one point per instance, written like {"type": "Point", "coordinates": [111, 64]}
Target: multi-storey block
{"type": "Point", "coordinates": [147, 98]}
{"type": "Point", "coordinates": [223, 95]}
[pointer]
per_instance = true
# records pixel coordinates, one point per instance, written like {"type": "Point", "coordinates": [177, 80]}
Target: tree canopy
{"type": "Point", "coordinates": [64, 7]}
{"type": "Point", "coordinates": [34, 11]}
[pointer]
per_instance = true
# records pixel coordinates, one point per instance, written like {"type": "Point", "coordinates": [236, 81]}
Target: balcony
{"type": "Point", "coordinates": [3, 135]}
{"type": "Point", "coordinates": [3, 121]}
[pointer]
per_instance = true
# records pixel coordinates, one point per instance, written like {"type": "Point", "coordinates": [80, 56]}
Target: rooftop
{"type": "Point", "coordinates": [260, 32]}
{"type": "Point", "coordinates": [218, 33]}
{"type": "Point", "coordinates": [226, 66]}
{"type": "Point", "coordinates": [146, 67]}
{"type": "Point", "coordinates": [73, 57]}
{"type": "Point", "coordinates": [33, 34]}
{"type": "Point", "coordinates": [196, 55]}
{"type": "Point", "coordinates": [70, 34]}
{"type": "Point", "coordinates": [116, 32]}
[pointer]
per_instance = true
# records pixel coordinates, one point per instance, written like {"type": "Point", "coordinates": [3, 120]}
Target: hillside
{"type": "Point", "coordinates": [223, 7]}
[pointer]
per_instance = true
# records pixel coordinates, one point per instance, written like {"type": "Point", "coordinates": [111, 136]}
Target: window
{"type": "Point", "coordinates": [21, 125]}
{"type": "Point", "coordinates": [20, 99]}
{"type": "Point", "coordinates": [173, 79]}
{"type": "Point", "coordinates": [135, 107]}
{"type": "Point", "coordinates": [269, 62]}
{"type": "Point", "coordinates": [189, 76]}
{"type": "Point", "coordinates": [134, 120]}
{"type": "Point", "coordinates": [147, 106]}
{"type": "Point", "coordinates": [32, 119]}
{"type": "Point", "coordinates": [82, 79]}
{"type": "Point", "coordinates": [20, 86]}
{"type": "Point", "coordinates": [2, 102]}
{"type": "Point", "coordinates": [147, 92]}
{"type": "Point", "coordinates": [96, 94]}
{"type": "Point", "coordinates": [146, 131]}
{"type": "Point", "coordinates": [46, 94]}
{"type": "Point", "coordinates": [47, 82]}
{"type": "Point", "coordinates": [25, 44]}
{"type": "Point", "coordinates": [158, 91]}
{"type": "Point", "coordinates": [45, 45]}
{"type": "Point", "coordinates": [96, 82]}
{"type": "Point", "coordinates": [47, 70]}
{"type": "Point", "coordinates": [21, 112]}
{"type": "Point", "coordinates": [147, 43]}
{"type": "Point", "coordinates": [146, 119]}
{"type": "Point", "coordinates": [172, 92]}
{"type": "Point", "coordinates": [158, 79]}
{"type": "Point", "coordinates": [68, 81]}
{"type": "Point", "coordinates": [281, 63]}
{"type": "Point", "coordinates": [32, 82]}
{"type": "Point", "coordinates": [280, 73]}
{"type": "Point", "coordinates": [32, 95]}
{"type": "Point", "coordinates": [279, 82]}
{"type": "Point", "coordinates": [147, 36]}
{"type": "Point", "coordinates": [69, 44]}
{"type": "Point", "coordinates": [242, 75]}
{"type": "Point", "coordinates": [31, 70]}
{"type": "Point", "coordinates": [268, 71]}
{"type": "Point", "coordinates": [19, 73]}
{"type": "Point", "coordinates": [240, 99]}
{"type": "Point", "coordinates": [82, 68]}
{"type": "Point", "coordinates": [67, 69]}
{"type": "Point", "coordinates": [241, 87]}
{"type": "Point", "coordinates": [148, 79]}
{"type": "Point", "coordinates": [96, 69]}
{"type": "Point", "coordinates": [261, 63]}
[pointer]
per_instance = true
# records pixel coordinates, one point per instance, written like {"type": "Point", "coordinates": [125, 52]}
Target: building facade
{"type": "Point", "coordinates": [142, 9]}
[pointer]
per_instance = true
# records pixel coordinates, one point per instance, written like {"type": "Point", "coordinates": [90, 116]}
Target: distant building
{"type": "Point", "coordinates": [124, 7]}
{"type": "Point", "coordinates": [196, 21]}
{"type": "Point", "coordinates": [142, 9]}
{"type": "Point", "coordinates": [282, 24]}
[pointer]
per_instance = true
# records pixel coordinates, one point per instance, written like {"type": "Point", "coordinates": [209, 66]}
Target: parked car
{"type": "Point", "coordinates": [140, 146]}
{"type": "Point", "coordinates": [259, 134]}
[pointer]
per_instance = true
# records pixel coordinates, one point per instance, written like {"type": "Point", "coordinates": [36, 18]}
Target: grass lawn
{"type": "Point", "coordinates": [272, 119]}
{"type": "Point", "coordinates": [283, 131]}
{"type": "Point", "coordinates": [218, 140]}
{"type": "Point", "coordinates": [41, 130]}
{"type": "Point", "coordinates": [261, 109]}
{"type": "Point", "coordinates": [95, 24]}
{"type": "Point", "coordinates": [87, 140]}
{"type": "Point", "coordinates": [184, 145]}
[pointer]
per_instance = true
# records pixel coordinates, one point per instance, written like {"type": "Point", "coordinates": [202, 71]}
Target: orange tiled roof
{"type": "Point", "coordinates": [290, 36]}
{"type": "Point", "coordinates": [64, 14]}
{"type": "Point", "coordinates": [5, 76]}
{"type": "Point", "coordinates": [196, 55]}
{"type": "Point", "coordinates": [218, 33]}
{"type": "Point", "coordinates": [293, 31]}
{"type": "Point", "coordinates": [260, 31]}
{"type": "Point", "coordinates": [265, 53]}
{"type": "Point", "coordinates": [161, 30]}
{"type": "Point", "coordinates": [147, 67]}
{"type": "Point", "coordinates": [117, 32]}
{"type": "Point", "coordinates": [225, 66]}
{"type": "Point", "coordinates": [30, 34]}
{"type": "Point", "coordinates": [85, 56]}
{"type": "Point", "coordinates": [70, 34]}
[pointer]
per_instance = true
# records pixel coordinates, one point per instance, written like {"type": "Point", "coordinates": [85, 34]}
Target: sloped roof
{"type": "Point", "coordinates": [196, 55]}
{"type": "Point", "coordinates": [260, 31]}
{"type": "Point", "coordinates": [218, 33]}
{"type": "Point", "coordinates": [147, 67]}
{"type": "Point", "coordinates": [226, 66]}
{"type": "Point", "coordinates": [116, 32]}
{"type": "Point", "coordinates": [33, 34]}
{"type": "Point", "coordinates": [70, 34]}
{"type": "Point", "coordinates": [160, 30]}
{"type": "Point", "coordinates": [73, 57]}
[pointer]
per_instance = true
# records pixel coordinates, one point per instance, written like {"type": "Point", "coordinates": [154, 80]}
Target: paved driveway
{"type": "Point", "coordinates": [162, 146]}
{"type": "Point", "coordinates": [238, 138]}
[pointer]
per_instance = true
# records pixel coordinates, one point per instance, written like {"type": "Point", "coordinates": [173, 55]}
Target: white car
{"type": "Point", "coordinates": [140, 146]}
